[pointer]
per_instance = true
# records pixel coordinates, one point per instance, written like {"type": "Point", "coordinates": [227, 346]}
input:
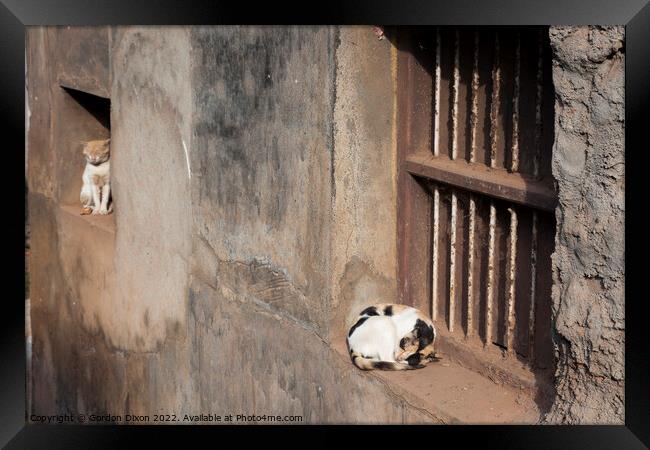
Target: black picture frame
{"type": "Point", "coordinates": [634, 14]}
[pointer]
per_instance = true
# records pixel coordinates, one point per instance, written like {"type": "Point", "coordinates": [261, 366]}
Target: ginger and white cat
{"type": "Point", "coordinates": [96, 189]}
{"type": "Point", "coordinates": [392, 337]}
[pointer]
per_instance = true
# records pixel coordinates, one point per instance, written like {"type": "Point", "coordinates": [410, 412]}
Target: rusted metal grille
{"type": "Point", "coordinates": [476, 194]}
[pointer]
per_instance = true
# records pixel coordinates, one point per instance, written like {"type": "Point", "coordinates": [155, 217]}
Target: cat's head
{"type": "Point", "coordinates": [428, 353]}
{"type": "Point", "coordinates": [423, 356]}
{"type": "Point", "coordinates": [419, 343]}
{"type": "Point", "coordinates": [97, 152]}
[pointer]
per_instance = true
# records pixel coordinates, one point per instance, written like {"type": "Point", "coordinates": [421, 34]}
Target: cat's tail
{"type": "Point", "coordinates": [371, 364]}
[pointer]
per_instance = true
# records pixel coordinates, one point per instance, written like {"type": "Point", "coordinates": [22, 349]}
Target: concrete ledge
{"type": "Point", "coordinates": [455, 394]}
{"type": "Point", "coordinates": [104, 223]}
{"type": "Point", "coordinates": [487, 360]}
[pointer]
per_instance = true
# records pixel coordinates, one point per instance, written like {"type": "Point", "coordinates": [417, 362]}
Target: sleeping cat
{"type": "Point", "coordinates": [96, 189]}
{"type": "Point", "coordinates": [392, 337]}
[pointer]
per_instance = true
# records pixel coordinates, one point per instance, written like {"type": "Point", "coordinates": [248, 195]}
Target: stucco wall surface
{"type": "Point", "coordinates": [589, 259]}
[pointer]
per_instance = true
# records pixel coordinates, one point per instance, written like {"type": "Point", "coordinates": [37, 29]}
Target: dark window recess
{"type": "Point", "coordinates": [98, 107]}
{"type": "Point", "coordinates": [476, 195]}
{"type": "Point", "coordinates": [83, 117]}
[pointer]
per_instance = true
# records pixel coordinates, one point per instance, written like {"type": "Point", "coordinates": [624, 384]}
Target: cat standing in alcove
{"type": "Point", "coordinates": [96, 189]}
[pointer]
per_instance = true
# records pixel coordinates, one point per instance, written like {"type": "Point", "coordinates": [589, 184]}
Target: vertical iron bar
{"type": "Point", "coordinates": [474, 112]}
{"type": "Point", "coordinates": [538, 105]}
{"type": "Point", "coordinates": [454, 200]}
{"type": "Point", "coordinates": [510, 319]}
{"type": "Point", "coordinates": [490, 283]}
{"type": "Point", "coordinates": [452, 262]}
{"type": "Point", "coordinates": [515, 108]}
{"type": "Point", "coordinates": [436, 192]}
{"type": "Point", "coordinates": [494, 106]}
{"type": "Point", "coordinates": [454, 104]}
{"type": "Point", "coordinates": [472, 202]}
{"type": "Point", "coordinates": [533, 246]}
{"type": "Point", "coordinates": [533, 282]}
{"type": "Point", "coordinates": [436, 104]}
{"type": "Point", "coordinates": [494, 112]}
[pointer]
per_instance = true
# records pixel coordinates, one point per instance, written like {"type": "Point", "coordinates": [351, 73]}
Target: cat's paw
{"type": "Point", "coordinates": [404, 355]}
{"type": "Point", "coordinates": [103, 211]}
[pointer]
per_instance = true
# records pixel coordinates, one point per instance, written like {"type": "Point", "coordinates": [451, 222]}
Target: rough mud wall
{"type": "Point", "coordinates": [588, 263]}
{"type": "Point", "coordinates": [364, 253]}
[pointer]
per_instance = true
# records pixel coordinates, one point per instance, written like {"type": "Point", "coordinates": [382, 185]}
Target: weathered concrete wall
{"type": "Point", "coordinates": [265, 152]}
{"type": "Point", "coordinates": [211, 289]}
{"type": "Point", "coordinates": [364, 229]}
{"type": "Point", "coordinates": [151, 133]}
{"type": "Point", "coordinates": [261, 153]}
{"type": "Point", "coordinates": [62, 269]}
{"type": "Point", "coordinates": [588, 263]}
{"type": "Point", "coordinates": [254, 185]}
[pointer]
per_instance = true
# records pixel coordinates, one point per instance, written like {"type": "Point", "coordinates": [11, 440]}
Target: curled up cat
{"type": "Point", "coordinates": [392, 337]}
{"type": "Point", "coordinates": [96, 189]}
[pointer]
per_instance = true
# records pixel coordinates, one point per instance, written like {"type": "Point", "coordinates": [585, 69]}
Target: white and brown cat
{"type": "Point", "coordinates": [96, 190]}
{"type": "Point", "coordinates": [392, 337]}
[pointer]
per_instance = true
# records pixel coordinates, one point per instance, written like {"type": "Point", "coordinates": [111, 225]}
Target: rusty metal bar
{"type": "Point", "coordinates": [446, 107]}
{"type": "Point", "coordinates": [515, 108]}
{"type": "Point", "coordinates": [470, 263]}
{"type": "Point", "coordinates": [473, 120]}
{"type": "Point", "coordinates": [533, 282]}
{"type": "Point", "coordinates": [538, 104]}
{"type": "Point", "coordinates": [452, 261]}
{"type": "Point", "coordinates": [494, 105]}
{"type": "Point", "coordinates": [512, 275]}
{"type": "Point", "coordinates": [533, 244]}
{"type": "Point", "coordinates": [494, 112]}
{"type": "Point", "coordinates": [454, 199]}
{"type": "Point", "coordinates": [490, 281]}
{"type": "Point", "coordinates": [472, 202]}
{"type": "Point", "coordinates": [510, 316]}
{"type": "Point", "coordinates": [434, 267]}
{"type": "Point", "coordinates": [493, 182]}
{"type": "Point", "coordinates": [454, 104]}
{"type": "Point", "coordinates": [436, 93]}
{"type": "Point", "coordinates": [413, 203]}
{"type": "Point", "coordinates": [436, 193]}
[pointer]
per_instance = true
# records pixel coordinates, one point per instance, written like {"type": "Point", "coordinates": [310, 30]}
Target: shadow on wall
{"type": "Point", "coordinates": [26, 242]}
{"type": "Point", "coordinates": [98, 107]}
